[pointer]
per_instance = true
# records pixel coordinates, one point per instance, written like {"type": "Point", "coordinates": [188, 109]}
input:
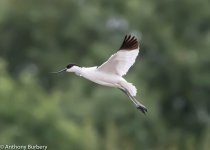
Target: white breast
{"type": "Point", "coordinates": [99, 77]}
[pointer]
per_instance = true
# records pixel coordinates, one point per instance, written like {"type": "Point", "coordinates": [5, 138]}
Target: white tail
{"type": "Point", "coordinates": [130, 87]}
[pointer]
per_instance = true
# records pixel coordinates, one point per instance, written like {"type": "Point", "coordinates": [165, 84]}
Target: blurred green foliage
{"type": "Point", "coordinates": [66, 112]}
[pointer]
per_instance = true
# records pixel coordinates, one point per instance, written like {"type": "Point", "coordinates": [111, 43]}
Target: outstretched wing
{"type": "Point", "coordinates": [120, 62]}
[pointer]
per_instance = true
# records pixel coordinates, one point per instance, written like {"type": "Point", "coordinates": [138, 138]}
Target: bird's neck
{"type": "Point", "coordinates": [77, 70]}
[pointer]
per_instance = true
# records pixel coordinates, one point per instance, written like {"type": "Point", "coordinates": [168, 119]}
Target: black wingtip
{"type": "Point", "coordinates": [129, 43]}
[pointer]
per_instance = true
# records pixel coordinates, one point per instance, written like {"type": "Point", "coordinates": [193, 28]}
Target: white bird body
{"type": "Point", "coordinates": [99, 77]}
{"type": "Point", "coordinates": [103, 78]}
{"type": "Point", "coordinates": [110, 72]}
{"type": "Point", "coordinates": [92, 74]}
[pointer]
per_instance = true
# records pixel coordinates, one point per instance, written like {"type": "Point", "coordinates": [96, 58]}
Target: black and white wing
{"type": "Point", "coordinates": [120, 62]}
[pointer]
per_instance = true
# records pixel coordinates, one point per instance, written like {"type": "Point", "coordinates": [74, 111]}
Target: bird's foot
{"type": "Point", "coordinates": [141, 108]}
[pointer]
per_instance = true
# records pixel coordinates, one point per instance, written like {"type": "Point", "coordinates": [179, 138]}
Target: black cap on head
{"type": "Point", "coordinates": [70, 65]}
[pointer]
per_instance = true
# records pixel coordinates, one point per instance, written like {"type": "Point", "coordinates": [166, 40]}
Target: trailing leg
{"type": "Point", "coordinates": [124, 91]}
{"type": "Point", "coordinates": [138, 105]}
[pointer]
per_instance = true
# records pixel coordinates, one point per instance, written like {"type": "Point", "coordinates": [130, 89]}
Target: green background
{"type": "Point", "coordinates": [66, 112]}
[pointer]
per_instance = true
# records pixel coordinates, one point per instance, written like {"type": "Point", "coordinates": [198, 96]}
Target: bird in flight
{"type": "Point", "coordinates": [111, 72]}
